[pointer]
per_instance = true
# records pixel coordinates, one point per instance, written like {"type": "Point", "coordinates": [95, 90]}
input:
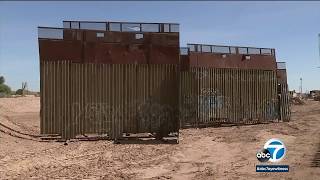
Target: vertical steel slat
{"type": "Point", "coordinates": [83, 95]}
{"type": "Point", "coordinates": [88, 99]}
{"type": "Point", "coordinates": [208, 92]}
{"type": "Point", "coordinates": [124, 98]}
{"type": "Point", "coordinates": [108, 100]}
{"type": "Point", "coordinates": [257, 91]}
{"type": "Point", "coordinates": [41, 97]}
{"type": "Point", "coordinates": [78, 97]}
{"type": "Point", "coordinates": [112, 93]}
{"type": "Point", "coordinates": [70, 120]}
{"type": "Point", "coordinates": [68, 127]}
{"type": "Point", "coordinates": [254, 77]}
{"type": "Point", "coordinates": [50, 87]}
{"type": "Point", "coordinates": [45, 99]}
{"type": "Point", "coordinates": [53, 101]}
{"type": "Point", "coordinates": [265, 99]}
{"type": "Point", "coordinates": [61, 116]}
{"type": "Point", "coordinates": [101, 99]}
{"type": "Point", "coordinates": [211, 94]}
{"type": "Point", "coordinates": [72, 93]}
{"type": "Point", "coordinates": [250, 93]}
{"type": "Point", "coordinates": [95, 103]}
{"type": "Point", "coordinates": [237, 96]}
{"type": "Point", "coordinates": [49, 99]}
{"type": "Point", "coordinates": [58, 90]}
{"type": "Point", "coordinates": [242, 94]}
{"type": "Point", "coordinates": [64, 102]}
{"type": "Point", "coordinates": [223, 93]}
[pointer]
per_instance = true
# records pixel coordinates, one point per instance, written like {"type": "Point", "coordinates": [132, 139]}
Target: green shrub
{"type": "Point", "coordinates": [5, 89]}
{"type": "Point", "coordinates": [19, 92]}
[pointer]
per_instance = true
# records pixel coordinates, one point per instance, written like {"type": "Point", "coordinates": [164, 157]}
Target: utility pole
{"type": "Point", "coordinates": [300, 86]}
{"type": "Point", "coordinates": [319, 47]}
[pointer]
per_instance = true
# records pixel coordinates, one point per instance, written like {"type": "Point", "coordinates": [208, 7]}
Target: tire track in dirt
{"type": "Point", "coordinates": [21, 126]}
{"type": "Point", "coordinates": [18, 132]}
{"type": "Point", "coordinates": [17, 136]}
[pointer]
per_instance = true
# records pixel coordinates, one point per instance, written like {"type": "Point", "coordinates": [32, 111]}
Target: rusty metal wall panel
{"type": "Point", "coordinates": [184, 62]}
{"type": "Point", "coordinates": [84, 46]}
{"type": "Point", "coordinates": [79, 99]}
{"type": "Point", "coordinates": [56, 50]}
{"type": "Point", "coordinates": [218, 96]}
{"type": "Point", "coordinates": [116, 54]}
{"type": "Point", "coordinates": [282, 76]}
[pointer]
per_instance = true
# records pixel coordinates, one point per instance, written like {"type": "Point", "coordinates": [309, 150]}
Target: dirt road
{"type": "Point", "coordinates": [209, 153]}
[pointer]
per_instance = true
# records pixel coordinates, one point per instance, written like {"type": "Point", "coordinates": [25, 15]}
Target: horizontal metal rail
{"type": "Point", "coordinates": [57, 33]}
{"type": "Point", "coordinates": [281, 65]}
{"type": "Point", "coordinates": [206, 48]}
{"type": "Point", "coordinates": [122, 26]}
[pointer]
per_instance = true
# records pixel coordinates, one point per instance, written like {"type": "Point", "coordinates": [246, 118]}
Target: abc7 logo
{"type": "Point", "coordinates": [274, 150]}
{"type": "Point", "coordinates": [263, 155]}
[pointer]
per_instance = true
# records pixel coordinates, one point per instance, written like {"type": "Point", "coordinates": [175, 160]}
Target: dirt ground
{"type": "Point", "coordinates": [208, 153]}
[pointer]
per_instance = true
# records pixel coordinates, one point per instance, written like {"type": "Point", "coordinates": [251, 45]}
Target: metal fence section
{"type": "Point", "coordinates": [113, 99]}
{"type": "Point", "coordinates": [206, 48]}
{"type": "Point", "coordinates": [281, 65]}
{"type": "Point", "coordinates": [284, 102]}
{"type": "Point", "coordinates": [50, 33]}
{"type": "Point", "coordinates": [220, 96]}
{"type": "Point", "coordinates": [108, 99]}
{"type": "Point", "coordinates": [122, 26]}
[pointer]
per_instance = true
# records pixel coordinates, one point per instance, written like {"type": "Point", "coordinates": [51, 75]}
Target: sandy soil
{"type": "Point", "coordinates": [209, 153]}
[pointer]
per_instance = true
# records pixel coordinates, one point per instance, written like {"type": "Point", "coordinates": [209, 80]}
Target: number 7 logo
{"type": "Point", "coordinates": [276, 148]}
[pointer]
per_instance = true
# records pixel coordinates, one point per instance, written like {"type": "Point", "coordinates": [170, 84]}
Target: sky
{"type": "Point", "coordinates": [291, 28]}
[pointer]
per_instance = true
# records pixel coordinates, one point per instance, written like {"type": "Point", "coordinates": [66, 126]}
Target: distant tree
{"type": "Point", "coordinates": [2, 80]}
{"type": "Point", "coordinates": [5, 89]}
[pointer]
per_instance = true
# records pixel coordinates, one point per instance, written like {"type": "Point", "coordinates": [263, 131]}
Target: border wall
{"type": "Point", "coordinates": [109, 99]}
{"type": "Point", "coordinates": [211, 96]}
